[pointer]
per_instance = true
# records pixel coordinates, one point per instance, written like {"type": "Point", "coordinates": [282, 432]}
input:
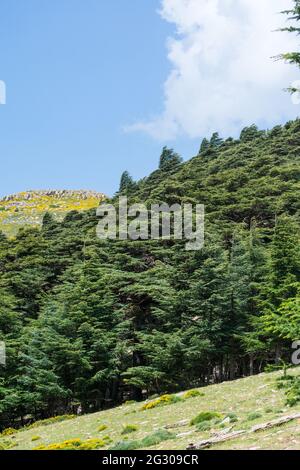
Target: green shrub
{"type": "Point", "coordinates": [254, 415]}
{"type": "Point", "coordinates": [102, 427]}
{"type": "Point", "coordinates": [205, 426]}
{"type": "Point", "coordinates": [269, 410]}
{"type": "Point", "coordinates": [233, 417]}
{"type": "Point", "coordinates": [36, 438]}
{"type": "Point", "coordinates": [272, 368]}
{"type": "Point", "coordinates": [192, 393]}
{"type": "Point", "coordinates": [291, 385]}
{"type": "Point", "coordinates": [293, 396]}
{"type": "Point", "coordinates": [148, 441]}
{"type": "Point", "coordinates": [205, 416]}
{"type": "Point", "coordinates": [161, 401]}
{"type": "Point", "coordinates": [6, 445]}
{"type": "Point", "coordinates": [157, 437]}
{"type": "Point", "coordinates": [75, 444]}
{"type": "Point", "coordinates": [129, 428]}
{"type": "Point", "coordinates": [126, 445]}
{"type": "Point", "coordinates": [8, 432]}
{"type": "Point", "coordinates": [285, 382]}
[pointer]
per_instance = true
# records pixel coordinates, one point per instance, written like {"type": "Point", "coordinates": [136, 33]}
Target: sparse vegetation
{"type": "Point", "coordinates": [253, 416]}
{"type": "Point", "coordinates": [205, 416]}
{"type": "Point", "coordinates": [161, 401]}
{"type": "Point", "coordinates": [102, 427]}
{"type": "Point", "coordinates": [232, 417]}
{"type": "Point", "coordinates": [291, 386]}
{"type": "Point", "coordinates": [75, 444]}
{"type": "Point", "coordinates": [8, 432]}
{"type": "Point", "coordinates": [6, 445]}
{"type": "Point", "coordinates": [129, 428]}
{"type": "Point", "coordinates": [192, 393]}
{"type": "Point", "coordinates": [204, 426]}
{"type": "Point", "coordinates": [153, 439]}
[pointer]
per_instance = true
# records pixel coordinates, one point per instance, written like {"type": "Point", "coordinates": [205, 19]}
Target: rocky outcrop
{"type": "Point", "coordinates": [56, 194]}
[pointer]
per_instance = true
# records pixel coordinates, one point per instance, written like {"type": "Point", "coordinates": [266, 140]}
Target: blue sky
{"type": "Point", "coordinates": [98, 86]}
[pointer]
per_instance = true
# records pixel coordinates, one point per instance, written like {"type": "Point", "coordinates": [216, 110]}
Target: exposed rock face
{"type": "Point", "coordinates": [59, 194]}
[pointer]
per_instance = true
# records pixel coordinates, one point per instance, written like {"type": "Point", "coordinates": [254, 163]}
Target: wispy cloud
{"type": "Point", "coordinates": [223, 75]}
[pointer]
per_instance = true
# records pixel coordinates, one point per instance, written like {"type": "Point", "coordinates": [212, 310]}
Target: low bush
{"type": "Point", "coordinates": [161, 401]}
{"type": "Point", "coordinates": [269, 410]}
{"type": "Point", "coordinates": [157, 437]}
{"type": "Point", "coordinates": [232, 417]}
{"type": "Point", "coordinates": [293, 395]}
{"type": "Point", "coordinates": [148, 441]}
{"type": "Point", "coordinates": [129, 428]}
{"type": "Point", "coordinates": [6, 445]}
{"type": "Point", "coordinates": [102, 427]}
{"type": "Point", "coordinates": [291, 385]}
{"type": "Point", "coordinates": [36, 438]}
{"type": "Point", "coordinates": [192, 393]}
{"type": "Point", "coordinates": [253, 416]}
{"type": "Point", "coordinates": [8, 432]}
{"type": "Point", "coordinates": [205, 416]}
{"type": "Point", "coordinates": [285, 381]}
{"type": "Point", "coordinates": [205, 426]}
{"type": "Point", "coordinates": [76, 444]}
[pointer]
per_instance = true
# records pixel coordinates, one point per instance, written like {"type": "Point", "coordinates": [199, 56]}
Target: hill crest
{"type": "Point", "coordinates": [29, 207]}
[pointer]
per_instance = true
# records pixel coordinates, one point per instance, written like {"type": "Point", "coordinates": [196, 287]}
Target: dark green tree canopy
{"type": "Point", "coordinates": [216, 140]}
{"type": "Point", "coordinates": [169, 159]}
{"type": "Point", "coordinates": [250, 133]}
{"type": "Point", "coordinates": [126, 182]}
{"type": "Point", "coordinates": [204, 145]}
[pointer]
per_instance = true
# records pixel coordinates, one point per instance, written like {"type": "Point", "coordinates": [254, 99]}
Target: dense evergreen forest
{"type": "Point", "coordinates": [96, 322]}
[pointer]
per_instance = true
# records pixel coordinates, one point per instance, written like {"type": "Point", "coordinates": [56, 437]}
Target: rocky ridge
{"type": "Point", "coordinates": [62, 193]}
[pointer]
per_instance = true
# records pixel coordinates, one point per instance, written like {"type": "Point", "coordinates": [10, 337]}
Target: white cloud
{"type": "Point", "coordinates": [223, 76]}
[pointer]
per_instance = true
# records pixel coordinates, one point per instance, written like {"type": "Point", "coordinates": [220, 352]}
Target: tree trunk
{"type": "Point", "coordinates": [251, 364]}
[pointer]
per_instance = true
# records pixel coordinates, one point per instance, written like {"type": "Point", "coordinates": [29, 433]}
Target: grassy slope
{"type": "Point", "coordinates": [244, 396]}
{"type": "Point", "coordinates": [20, 210]}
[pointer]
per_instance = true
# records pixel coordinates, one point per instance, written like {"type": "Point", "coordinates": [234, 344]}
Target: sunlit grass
{"type": "Point", "coordinates": [257, 397]}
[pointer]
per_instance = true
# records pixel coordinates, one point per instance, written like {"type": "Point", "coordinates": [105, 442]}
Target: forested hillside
{"type": "Point", "coordinates": [95, 322]}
